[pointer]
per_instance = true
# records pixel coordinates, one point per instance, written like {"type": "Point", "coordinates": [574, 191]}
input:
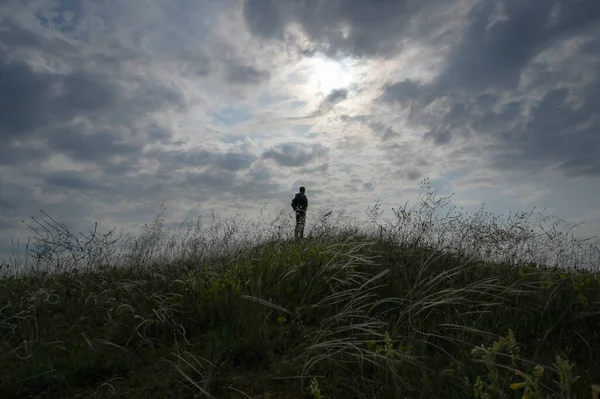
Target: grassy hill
{"type": "Point", "coordinates": [428, 305]}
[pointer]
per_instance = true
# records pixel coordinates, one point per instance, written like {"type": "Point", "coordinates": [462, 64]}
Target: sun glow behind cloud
{"type": "Point", "coordinates": [325, 74]}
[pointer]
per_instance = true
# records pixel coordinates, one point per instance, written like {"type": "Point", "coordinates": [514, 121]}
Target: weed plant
{"type": "Point", "coordinates": [431, 303]}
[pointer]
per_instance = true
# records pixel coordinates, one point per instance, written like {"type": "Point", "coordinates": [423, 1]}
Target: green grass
{"type": "Point", "coordinates": [384, 310]}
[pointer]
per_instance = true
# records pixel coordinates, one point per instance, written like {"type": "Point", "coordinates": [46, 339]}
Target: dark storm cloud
{"type": "Point", "coordinates": [13, 154]}
{"type": "Point", "coordinates": [159, 133]}
{"type": "Point", "coordinates": [81, 84]}
{"type": "Point", "coordinates": [336, 96]}
{"type": "Point", "coordinates": [96, 146]}
{"type": "Point", "coordinates": [230, 161]}
{"type": "Point", "coordinates": [52, 109]}
{"type": "Point", "coordinates": [196, 64]}
{"type": "Point", "coordinates": [404, 91]}
{"type": "Point", "coordinates": [502, 35]}
{"type": "Point", "coordinates": [210, 180]}
{"type": "Point", "coordinates": [234, 161]}
{"type": "Point", "coordinates": [8, 195]}
{"type": "Point", "coordinates": [43, 106]}
{"type": "Point", "coordinates": [245, 74]}
{"type": "Point", "coordinates": [560, 129]}
{"type": "Point", "coordinates": [30, 100]}
{"type": "Point", "coordinates": [295, 154]}
{"type": "Point", "coordinates": [495, 48]}
{"type": "Point", "coordinates": [257, 184]}
{"type": "Point", "coordinates": [383, 131]}
{"type": "Point", "coordinates": [69, 180]}
{"type": "Point", "coordinates": [413, 174]}
{"type": "Point", "coordinates": [362, 28]}
{"type": "Point", "coordinates": [559, 132]}
{"type": "Point", "coordinates": [15, 36]}
{"type": "Point", "coordinates": [215, 184]}
{"type": "Point", "coordinates": [85, 115]}
{"type": "Point", "coordinates": [439, 136]}
{"type": "Point", "coordinates": [63, 96]}
{"type": "Point", "coordinates": [500, 42]}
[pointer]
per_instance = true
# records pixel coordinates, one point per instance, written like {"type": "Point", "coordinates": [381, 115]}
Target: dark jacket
{"type": "Point", "coordinates": [300, 202]}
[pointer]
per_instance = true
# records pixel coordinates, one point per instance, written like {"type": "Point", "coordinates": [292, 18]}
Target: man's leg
{"type": "Point", "coordinates": [301, 227]}
{"type": "Point", "coordinates": [297, 229]}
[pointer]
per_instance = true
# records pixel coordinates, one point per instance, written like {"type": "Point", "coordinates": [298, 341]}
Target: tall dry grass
{"type": "Point", "coordinates": [432, 302]}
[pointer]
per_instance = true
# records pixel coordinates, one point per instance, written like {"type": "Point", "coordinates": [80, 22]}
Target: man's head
{"type": "Point", "coordinates": [302, 190]}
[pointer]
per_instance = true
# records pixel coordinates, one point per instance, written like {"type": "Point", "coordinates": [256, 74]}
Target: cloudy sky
{"type": "Point", "coordinates": [109, 107]}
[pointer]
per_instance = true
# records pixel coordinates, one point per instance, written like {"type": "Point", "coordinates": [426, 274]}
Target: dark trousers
{"type": "Point", "coordinates": [300, 219]}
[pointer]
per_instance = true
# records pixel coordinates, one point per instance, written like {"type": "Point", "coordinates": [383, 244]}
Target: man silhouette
{"type": "Point", "coordinates": [300, 205]}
